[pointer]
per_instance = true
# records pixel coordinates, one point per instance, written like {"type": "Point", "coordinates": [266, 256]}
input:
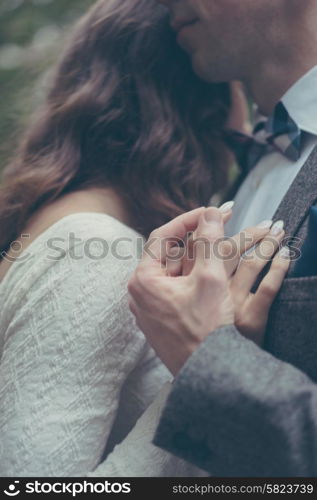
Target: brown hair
{"type": "Point", "coordinates": [125, 110]}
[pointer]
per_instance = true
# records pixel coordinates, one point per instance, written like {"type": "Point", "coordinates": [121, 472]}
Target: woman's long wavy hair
{"type": "Point", "coordinates": [124, 110]}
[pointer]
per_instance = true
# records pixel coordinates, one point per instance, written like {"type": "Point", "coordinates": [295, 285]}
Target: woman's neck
{"type": "Point", "coordinates": [103, 200]}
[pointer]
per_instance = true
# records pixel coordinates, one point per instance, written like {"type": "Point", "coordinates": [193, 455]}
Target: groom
{"type": "Point", "coordinates": [236, 409]}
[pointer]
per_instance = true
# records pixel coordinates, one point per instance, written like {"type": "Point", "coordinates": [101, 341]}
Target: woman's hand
{"type": "Point", "coordinates": [245, 256]}
{"type": "Point", "coordinates": [252, 309]}
{"type": "Point", "coordinates": [180, 260]}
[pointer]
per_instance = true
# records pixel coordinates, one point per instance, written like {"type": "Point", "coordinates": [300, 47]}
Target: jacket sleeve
{"type": "Point", "coordinates": [235, 410]}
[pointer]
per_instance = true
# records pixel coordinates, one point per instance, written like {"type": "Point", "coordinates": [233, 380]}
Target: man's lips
{"type": "Point", "coordinates": [179, 24]}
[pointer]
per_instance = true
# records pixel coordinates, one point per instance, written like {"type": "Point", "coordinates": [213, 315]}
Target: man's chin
{"type": "Point", "coordinates": [209, 71]}
{"type": "Point", "coordinates": [202, 69]}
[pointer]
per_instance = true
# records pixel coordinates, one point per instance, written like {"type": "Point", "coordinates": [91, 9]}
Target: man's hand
{"type": "Point", "coordinates": [177, 313]}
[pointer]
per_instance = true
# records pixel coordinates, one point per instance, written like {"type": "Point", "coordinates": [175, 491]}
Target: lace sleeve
{"type": "Point", "coordinates": [136, 456]}
{"type": "Point", "coordinates": [68, 348]}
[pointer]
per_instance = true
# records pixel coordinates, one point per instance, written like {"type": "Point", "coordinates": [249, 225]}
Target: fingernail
{"type": "Point", "coordinates": [266, 224]}
{"type": "Point", "coordinates": [277, 228]}
{"type": "Point", "coordinates": [212, 215]}
{"type": "Point", "coordinates": [285, 253]}
{"type": "Point", "coordinates": [226, 207]}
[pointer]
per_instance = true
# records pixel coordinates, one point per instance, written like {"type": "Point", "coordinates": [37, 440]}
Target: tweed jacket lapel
{"type": "Point", "coordinates": [291, 332]}
{"type": "Point", "coordinates": [302, 194]}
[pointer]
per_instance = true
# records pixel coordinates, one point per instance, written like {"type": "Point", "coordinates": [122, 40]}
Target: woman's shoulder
{"type": "Point", "coordinates": [80, 227]}
{"type": "Point", "coordinates": [77, 249]}
{"type": "Point", "coordinates": [90, 239]}
{"type": "Point", "coordinates": [89, 231]}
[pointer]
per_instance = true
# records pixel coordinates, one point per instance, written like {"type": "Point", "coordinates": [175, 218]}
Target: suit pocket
{"type": "Point", "coordinates": [292, 329]}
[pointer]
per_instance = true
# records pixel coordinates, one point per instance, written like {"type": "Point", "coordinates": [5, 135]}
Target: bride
{"type": "Point", "coordinates": [127, 138]}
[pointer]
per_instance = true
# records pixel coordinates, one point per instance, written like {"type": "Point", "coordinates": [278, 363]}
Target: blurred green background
{"type": "Point", "coordinates": [32, 33]}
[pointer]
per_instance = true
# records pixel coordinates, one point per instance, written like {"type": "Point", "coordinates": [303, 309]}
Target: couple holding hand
{"type": "Point", "coordinates": [218, 374]}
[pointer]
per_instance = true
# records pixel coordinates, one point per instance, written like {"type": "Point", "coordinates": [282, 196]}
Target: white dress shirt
{"type": "Point", "coordinates": [265, 187]}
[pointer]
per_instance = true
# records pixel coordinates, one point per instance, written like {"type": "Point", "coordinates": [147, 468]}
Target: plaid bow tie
{"type": "Point", "coordinates": [278, 132]}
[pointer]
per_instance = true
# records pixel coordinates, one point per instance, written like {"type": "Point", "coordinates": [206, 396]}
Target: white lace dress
{"type": "Point", "coordinates": [75, 372]}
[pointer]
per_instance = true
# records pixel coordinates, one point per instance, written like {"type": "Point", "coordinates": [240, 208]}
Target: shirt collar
{"type": "Point", "coordinates": [301, 102]}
